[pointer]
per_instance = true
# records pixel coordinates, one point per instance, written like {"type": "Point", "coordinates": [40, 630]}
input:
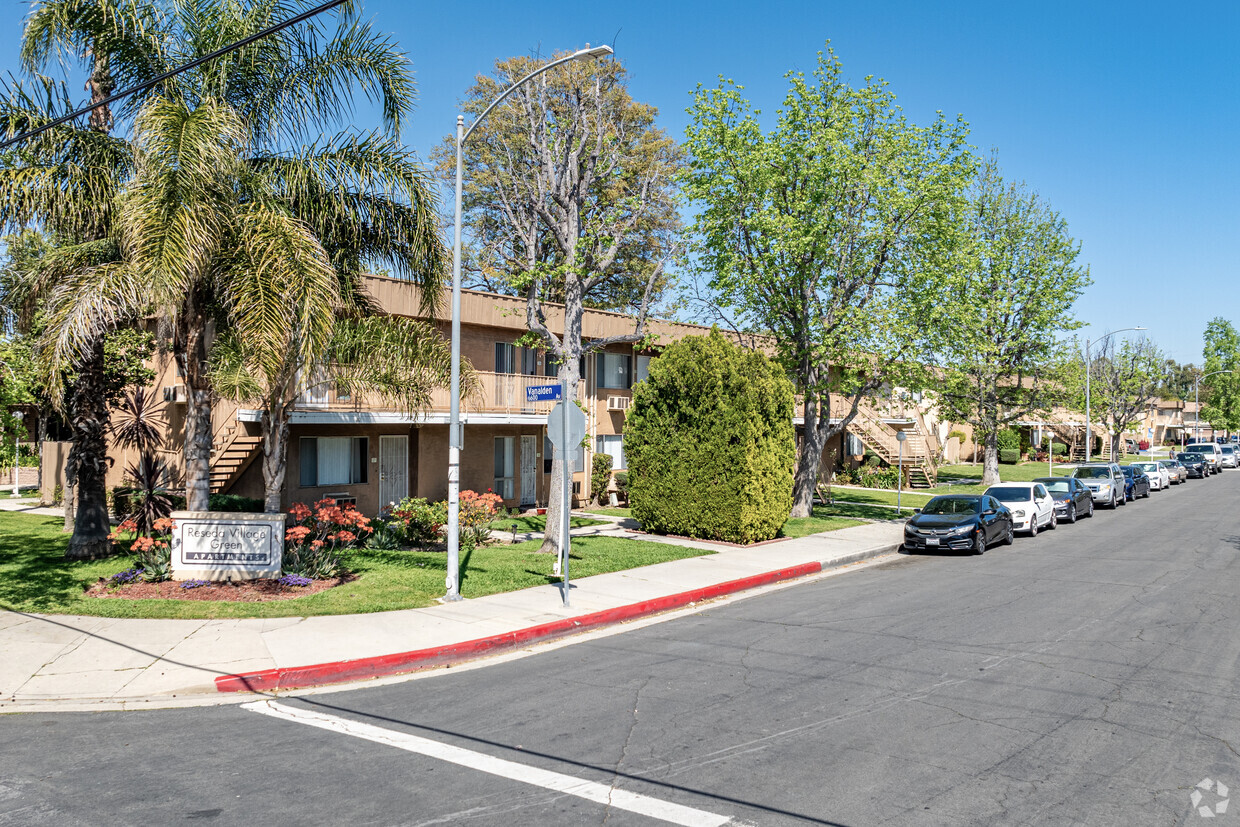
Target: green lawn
{"type": "Point", "coordinates": [909, 499]}
{"type": "Point", "coordinates": [534, 522]}
{"type": "Point", "coordinates": [611, 512]}
{"type": "Point", "coordinates": [35, 577]}
{"type": "Point", "coordinates": [1021, 472]}
{"type": "Point", "coordinates": [825, 518]}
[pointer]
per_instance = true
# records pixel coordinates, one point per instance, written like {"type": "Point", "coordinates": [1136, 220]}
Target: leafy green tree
{"type": "Point", "coordinates": [829, 233]}
{"type": "Point", "coordinates": [1221, 403]}
{"type": "Point", "coordinates": [710, 443]}
{"type": "Point", "coordinates": [1178, 379]}
{"type": "Point", "coordinates": [1009, 302]}
{"type": "Point", "coordinates": [1124, 381]}
{"type": "Point", "coordinates": [570, 200]}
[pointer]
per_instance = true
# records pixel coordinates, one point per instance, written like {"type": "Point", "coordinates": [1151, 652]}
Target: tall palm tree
{"type": "Point", "coordinates": [226, 229]}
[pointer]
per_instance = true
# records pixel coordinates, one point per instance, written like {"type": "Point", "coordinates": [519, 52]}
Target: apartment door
{"type": "Point", "coordinates": [393, 469]}
{"type": "Point", "coordinates": [529, 469]}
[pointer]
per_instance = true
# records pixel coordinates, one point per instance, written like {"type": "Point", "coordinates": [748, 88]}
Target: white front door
{"type": "Point", "coordinates": [393, 469]}
{"type": "Point", "coordinates": [529, 469]}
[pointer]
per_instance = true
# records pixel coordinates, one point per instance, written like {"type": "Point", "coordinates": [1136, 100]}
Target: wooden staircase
{"type": "Point", "coordinates": [920, 469]}
{"type": "Point", "coordinates": [232, 451]}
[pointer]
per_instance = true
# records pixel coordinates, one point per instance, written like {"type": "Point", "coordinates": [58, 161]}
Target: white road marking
{"type": "Point", "coordinates": [558, 782]}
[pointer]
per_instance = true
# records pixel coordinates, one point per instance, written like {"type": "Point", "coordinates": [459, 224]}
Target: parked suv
{"type": "Point", "coordinates": [1210, 451]}
{"type": "Point", "coordinates": [1105, 481]}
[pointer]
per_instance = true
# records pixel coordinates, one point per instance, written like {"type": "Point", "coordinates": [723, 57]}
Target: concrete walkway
{"type": "Point", "coordinates": [61, 662]}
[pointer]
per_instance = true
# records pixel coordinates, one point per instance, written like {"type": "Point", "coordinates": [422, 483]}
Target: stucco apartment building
{"type": "Point", "coordinates": [371, 454]}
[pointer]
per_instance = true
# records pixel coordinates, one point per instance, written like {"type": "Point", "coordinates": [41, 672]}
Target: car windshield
{"type": "Point", "coordinates": [1057, 487]}
{"type": "Point", "coordinates": [1093, 473]}
{"type": "Point", "coordinates": [1189, 457]}
{"type": "Point", "coordinates": [951, 505]}
{"type": "Point", "coordinates": [1147, 466]}
{"type": "Point", "coordinates": [1014, 493]}
{"type": "Point", "coordinates": [1227, 449]}
{"type": "Point", "coordinates": [1200, 449]}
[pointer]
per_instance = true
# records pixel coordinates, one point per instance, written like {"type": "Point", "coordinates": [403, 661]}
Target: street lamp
{"type": "Point", "coordinates": [900, 437]}
{"type": "Point", "coordinates": [1089, 368]}
{"type": "Point", "coordinates": [17, 448]}
{"type": "Point", "coordinates": [456, 434]}
{"type": "Point", "coordinates": [1197, 402]}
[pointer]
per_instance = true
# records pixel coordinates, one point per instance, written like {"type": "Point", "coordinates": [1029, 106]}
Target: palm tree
{"type": "Point", "coordinates": [222, 230]}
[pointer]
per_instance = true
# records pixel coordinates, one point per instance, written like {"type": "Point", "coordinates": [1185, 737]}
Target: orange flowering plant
{"type": "Point", "coordinates": [477, 512]}
{"type": "Point", "coordinates": [318, 539]}
{"type": "Point", "coordinates": [152, 553]}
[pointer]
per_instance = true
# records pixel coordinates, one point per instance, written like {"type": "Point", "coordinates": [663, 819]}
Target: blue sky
{"type": "Point", "coordinates": [1124, 116]}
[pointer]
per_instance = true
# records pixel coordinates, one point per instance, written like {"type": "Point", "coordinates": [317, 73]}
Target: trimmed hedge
{"type": "Point", "coordinates": [1009, 456]}
{"type": "Point", "coordinates": [710, 443]}
{"type": "Point", "coordinates": [1007, 439]}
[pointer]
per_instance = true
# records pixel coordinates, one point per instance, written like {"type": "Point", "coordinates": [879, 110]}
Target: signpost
{"type": "Point", "coordinates": [566, 427]}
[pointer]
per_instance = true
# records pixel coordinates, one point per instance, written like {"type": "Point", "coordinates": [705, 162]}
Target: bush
{"type": "Point", "coordinates": [151, 551]}
{"type": "Point", "coordinates": [879, 477]}
{"type": "Point", "coordinates": [600, 476]}
{"type": "Point", "coordinates": [1058, 449]}
{"type": "Point", "coordinates": [622, 483]}
{"type": "Point", "coordinates": [419, 521]}
{"type": "Point", "coordinates": [1009, 456]}
{"type": "Point", "coordinates": [317, 542]}
{"type": "Point", "coordinates": [710, 443]}
{"type": "Point", "coordinates": [476, 513]}
{"type": "Point", "coordinates": [235, 502]}
{"type": "Point", "coordinates": [1008, 439]}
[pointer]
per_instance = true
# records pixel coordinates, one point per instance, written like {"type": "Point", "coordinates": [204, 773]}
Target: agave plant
{"type": "Point", "coordinates": [136, 426]}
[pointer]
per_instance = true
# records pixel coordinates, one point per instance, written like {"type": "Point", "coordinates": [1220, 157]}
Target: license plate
{"type": "Point", "coordinates": [932, 541]}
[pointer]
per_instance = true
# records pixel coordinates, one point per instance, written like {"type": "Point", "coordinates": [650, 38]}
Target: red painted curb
{"type": "Point", "coordinates": [345, 671]}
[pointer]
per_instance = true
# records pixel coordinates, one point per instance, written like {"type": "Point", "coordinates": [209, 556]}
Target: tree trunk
{"type": "Point", "coordinates": [275, 457]}
{"type": "Point", "coordinates": [814, 439]}
{"type": "Point", "coordinates": [70, 490]}
{"type": "Point", "coordinates": [990, 461]}
{"type": "Point", "coordinates": [90, 421]}
{"type": "Point", "coordinates": [197, 415]}
{"type": "Point", "coordinates": [570, 371]}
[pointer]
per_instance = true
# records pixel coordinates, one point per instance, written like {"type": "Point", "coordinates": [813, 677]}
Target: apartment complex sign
{"type": "Point", "coordinates": [215, 545]}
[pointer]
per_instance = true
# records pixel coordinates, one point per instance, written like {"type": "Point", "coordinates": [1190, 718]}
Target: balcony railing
{"type": "Point", "coordinates": [496, 393]}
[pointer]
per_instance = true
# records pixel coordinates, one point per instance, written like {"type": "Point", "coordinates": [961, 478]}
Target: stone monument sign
{"type": "Point", "coordinates": [221, 545]}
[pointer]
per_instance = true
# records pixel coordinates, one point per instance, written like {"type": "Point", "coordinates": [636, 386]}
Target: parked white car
{"type": "Point", "coordinates": [1032, 506]}
{"type": "Point", "coordinates": [1229, 456]}
{"type": "Point", "coordinates": [1160, 477]}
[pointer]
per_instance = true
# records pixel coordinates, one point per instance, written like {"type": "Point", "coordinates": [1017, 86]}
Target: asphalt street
{"type": "Point", "coordinates": [1085, 676]}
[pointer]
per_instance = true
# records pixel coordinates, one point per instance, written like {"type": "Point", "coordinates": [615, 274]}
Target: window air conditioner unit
{"type": "Point", "coordinates": [174, 393]}
{"type": "Point", "coordinates": [619, 403]}
{"type": "Point", "coordinates": [343, 498]}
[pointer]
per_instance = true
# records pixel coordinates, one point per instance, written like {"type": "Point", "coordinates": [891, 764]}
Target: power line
{"type": "Point", "coordinates": [172, 73]}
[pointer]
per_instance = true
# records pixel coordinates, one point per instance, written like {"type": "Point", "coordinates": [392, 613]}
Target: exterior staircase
{"type": "Point", "coordinates": [920, 468]}
{"type": "Point", "coordinates": [232, 452]}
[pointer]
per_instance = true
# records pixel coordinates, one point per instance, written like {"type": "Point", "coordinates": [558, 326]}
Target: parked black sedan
{"type": "Point", "coordinates": [1072, 497]}
{"type": "Point", "coordinates": [1138, 482]}
{"type": "Point", "coordinates": [1195, 464]}
{"type": "Point", "coordinates": [959, 522]}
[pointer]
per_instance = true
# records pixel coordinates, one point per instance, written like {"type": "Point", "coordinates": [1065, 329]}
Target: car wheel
{"type": "Point", "coordinates": [1054, 524]}
{"type": "Point", "coordinates": [1033, 526]}
{"type": "Point", "coordinates": [1072, 512]}
{"type": "Point", "coordinates": [979, 542]}
{"type": "Point", "coordinates": [1114, 501]}
{"type": "Point", "coordinates": [1010, 537]}
{"type": "Point", "coordinates": [1147, 493]}
{"type": "Point", "coordinates": [1090, 511]}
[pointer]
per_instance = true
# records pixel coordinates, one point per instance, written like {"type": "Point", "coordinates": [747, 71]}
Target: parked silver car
{"type": "Point", "coordinates": [1229, 455]}
{"type": "Point", "coordinates": [1105, 481]}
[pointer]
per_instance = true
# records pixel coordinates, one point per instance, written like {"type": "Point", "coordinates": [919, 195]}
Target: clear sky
{"type": "Point", "coordinates": [1123, 115]}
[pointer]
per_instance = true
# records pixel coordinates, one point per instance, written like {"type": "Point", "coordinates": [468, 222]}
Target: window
{"type": "Point", "coordinates": [505, 447]}
{"type": "Point", "coordinates": [853, 447]}
{"type": "Point", "coordinates": [551, 366]}
{"type": "Point", "coordinates": [643, 369]}
{"type": "Point", "coordinates": [512, 359]}
{"type": "Point", "coordinates": [615, 371]}
{"type": "Point", "coordinates": [613, 446]}
{"type": "Point", "coordinates": [333, 460]}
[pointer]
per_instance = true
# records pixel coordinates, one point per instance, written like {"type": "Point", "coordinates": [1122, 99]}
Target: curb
{"type": "Point", "coordinates": [348, 671]}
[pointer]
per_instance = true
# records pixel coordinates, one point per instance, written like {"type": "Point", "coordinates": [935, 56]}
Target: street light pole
{"type": "Point", "coordinates": [900, 437]}
{"type": "Point", "coordinates": [456, 433]}
{"type": "Point", "coordinates": [1089, 368]}
{"type": "Point", "coordinates": [1197, 402]}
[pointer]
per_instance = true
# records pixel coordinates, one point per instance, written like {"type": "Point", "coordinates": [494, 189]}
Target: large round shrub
{"type": "Point", "coordinates": [710, 443]}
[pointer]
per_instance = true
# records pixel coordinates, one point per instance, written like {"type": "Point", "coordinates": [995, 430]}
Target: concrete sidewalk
{"type": "Point", "coordinates": [60, 662]}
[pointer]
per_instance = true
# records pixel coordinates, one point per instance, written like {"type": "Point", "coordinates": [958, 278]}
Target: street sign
{"type": "Point", "coordinates": [543, 393]}
{"type": "Point", "coordinates": [576, 430]}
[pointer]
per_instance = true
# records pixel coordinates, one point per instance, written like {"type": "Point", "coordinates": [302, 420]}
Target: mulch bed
{"type": "Point", "coordinates": [248, 591]}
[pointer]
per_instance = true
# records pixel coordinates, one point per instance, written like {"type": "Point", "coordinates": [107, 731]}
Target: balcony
{"type": "Point", "coordinates": [496, 393]}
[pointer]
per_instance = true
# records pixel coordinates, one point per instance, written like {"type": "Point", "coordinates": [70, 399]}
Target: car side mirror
{"type": "Point", "coordinates": [916, 510]}
{"type": "Point", "coordinates": [989, 511]}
